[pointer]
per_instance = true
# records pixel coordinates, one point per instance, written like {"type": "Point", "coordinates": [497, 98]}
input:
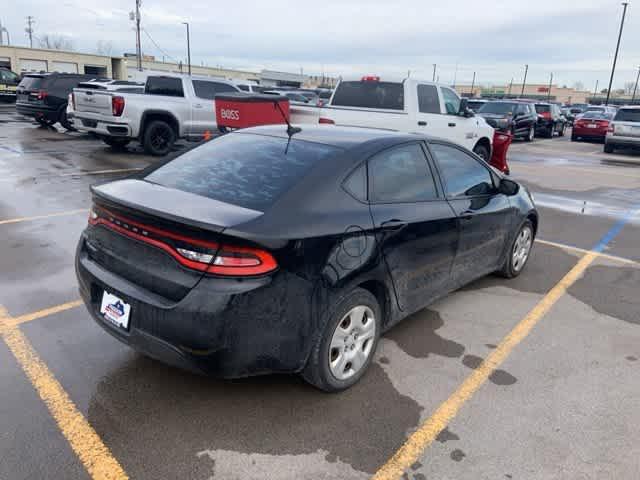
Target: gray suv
{"type": "Point", "coordinates": [624, 131]}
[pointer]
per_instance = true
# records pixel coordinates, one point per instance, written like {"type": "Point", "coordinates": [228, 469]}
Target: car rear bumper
{"type": "Point", "coordinates": [589, 134]}
{"type": "Point", "coordinates": [221, 327]}
{"type": "Point", "coordinates": [85, 123]}
{"type": "Point", "coordinates": [37, 111]}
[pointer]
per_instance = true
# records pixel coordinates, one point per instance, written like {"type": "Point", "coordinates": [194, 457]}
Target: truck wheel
{"type": "Point", "coordinates": [116, 143]}
{"type": "Point", "coordinates": [158, 138]}
{"type": "Point", "coordinates": [482, 151]}
{"type": "Point", "coordinates": [608, 148]}
{"type": "Point", "coordinates": [345, 348]}
{"type": "Point", "coordinates": [531, 134]}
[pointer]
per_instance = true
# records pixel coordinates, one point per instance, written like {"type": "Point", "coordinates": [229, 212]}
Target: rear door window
{"type": "Point", "coordinates": [401, 175]}
{"type": "Point", "coordinates": [463, 175]}
{"type": "Point", "coordinates": [208, 90]}
{"type": "Point", "coordinates": [370, 94]}
{"type": "Point", "coordinates": [628, 115]}
{"type": "Point", "coordinates": [428, 99]}
{"type": "Point", "coordinates": [247, 170]}
{"type": "Point", "coordinates": [167, 86]}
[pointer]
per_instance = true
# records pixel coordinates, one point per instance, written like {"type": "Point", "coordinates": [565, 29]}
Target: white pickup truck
{"type": "Point", "coordinates": [407, 105]}
{"type": "Point", "coordinates": [172, 106]}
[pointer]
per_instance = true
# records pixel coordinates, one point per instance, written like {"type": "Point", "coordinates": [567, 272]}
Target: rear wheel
{"type": "Point", "coordinates": [347, 344]}
{"type": "Point", "coordinates": [482, 151]}
{"type": "Point", "coordinates": [518, 254]}
{"type": "Point", "coordinates": [574, 138]}
{"type": "Point", "coordinates": [158, 138]}
{"type": "Point", "coordinates": [116, 143]}
{"type": "Point", "coordinates": [608, 148]}
{"type": "Point", "coordinates": [64, 121]}
{"type": "Point", "coordinates": [531, 134]}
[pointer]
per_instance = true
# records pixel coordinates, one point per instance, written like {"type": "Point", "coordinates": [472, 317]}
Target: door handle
{"type": "Point", "coordinates": [452, 124]}
{"type": "Point", "coordinates": [197, 105]}
{"type": "Point", "coordinates": [393, 225]}
{"type": "Point", "coordinates": [422, 123]}
{"type": "Point", "coordinates": [466, 215]}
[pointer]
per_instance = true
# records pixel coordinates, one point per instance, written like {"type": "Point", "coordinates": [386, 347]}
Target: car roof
{"type": "Point", "coordinates": [342, 137]}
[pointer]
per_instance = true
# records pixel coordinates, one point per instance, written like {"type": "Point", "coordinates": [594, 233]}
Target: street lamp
{"type": "Point", "coordinates": [526, 69]}
{"type": "Point", "coordinates": [615, 57]}
{"type": "Point", "coordinates": [188, 48]}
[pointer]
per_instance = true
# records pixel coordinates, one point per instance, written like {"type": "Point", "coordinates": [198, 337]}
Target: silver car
{"type": "Point", "coordinates": [624, 131]}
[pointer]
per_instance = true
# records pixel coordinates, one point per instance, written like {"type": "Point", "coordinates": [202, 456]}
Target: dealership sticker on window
{"type": "Point", "coordinates": [115, 310]}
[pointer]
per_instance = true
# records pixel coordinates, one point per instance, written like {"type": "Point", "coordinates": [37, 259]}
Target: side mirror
{"type": "Point", "coordinates": [464, 109]}
{"type": "Point", "coordinates": [508, 187]}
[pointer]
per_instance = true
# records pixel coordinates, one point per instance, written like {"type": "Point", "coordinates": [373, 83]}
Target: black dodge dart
{"type": "Point", "coordinates": [266, 251]}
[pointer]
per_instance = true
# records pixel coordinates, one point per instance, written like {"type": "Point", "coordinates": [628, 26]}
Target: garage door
{"type": "Point", "coordinates": [64, 67]}
{"type": "Point", "coordinates": [28, 65]}
{"type": "Point", "coordinates": [5, 62]}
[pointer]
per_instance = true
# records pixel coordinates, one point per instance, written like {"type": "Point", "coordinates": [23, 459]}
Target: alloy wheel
{"type": "Point", "coordinates": [521, 248]}
{"type": "Point", "coordinates": [352, 342]}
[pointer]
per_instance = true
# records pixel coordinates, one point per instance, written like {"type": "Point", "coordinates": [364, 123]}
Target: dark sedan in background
{"type": "Point", "coordinates": [258, 252]}
{"type": "Point", "coordinates": [516, 117]}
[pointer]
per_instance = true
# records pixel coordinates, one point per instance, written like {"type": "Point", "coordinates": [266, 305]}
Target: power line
{"type": "Point", "coordinates": [158, 46]}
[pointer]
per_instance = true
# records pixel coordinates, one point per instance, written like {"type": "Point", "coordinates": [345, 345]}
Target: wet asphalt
{"type": "Point", "coordinates": [563, 405]}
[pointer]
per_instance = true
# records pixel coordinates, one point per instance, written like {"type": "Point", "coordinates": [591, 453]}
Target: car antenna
{"type": "Point", "coordinates": [291, 130]}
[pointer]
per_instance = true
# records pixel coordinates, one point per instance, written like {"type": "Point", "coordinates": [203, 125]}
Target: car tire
{"type": "Point", "coordinates": [608, 148]}
{"type": "Point", "coordinates": [483, 152]}
{"type": "Point", "coordinates": [116, 143]}
{"type": "Point", "coordinates": [351, 324]}
{"type": "Point", "coordinates": [158, 138]}
{"type": "Point", "coordinates": [64, 121]}
{"type": "Point", "coordinates": [561, 131]}
{"type": "Point", "coordinates": [574, 138]}
{"type": "Point", "coordinates": [531, 135]}
{"type": "Point", "coordinates": [519, 251]}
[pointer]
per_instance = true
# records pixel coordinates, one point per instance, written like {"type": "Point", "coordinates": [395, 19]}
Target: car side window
{"type": "Point", "coordinates": [451, 101]}
{"type": "Point", "coordinates": [520, 110]}
{"type": "Point", "coordinates": [463, 175]}
{"type": "Point", "coordinates": [428, 99]}
{"type": "Point", "coordinates": [167, 86]}
{"type": "Point", "coordinates": [356, 183]}
{"type": "Point", "coordinates": [401, 174]}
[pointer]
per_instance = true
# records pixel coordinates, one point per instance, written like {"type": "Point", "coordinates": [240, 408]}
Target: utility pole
{"type": "Point", "coordinates": [526, 69]}
{"type": "Point", "coordinates": [510, 86]}
{"type": "Point", "coordinates": [188, 47]}
{"type": "Point", "coordinates": [138, 41]}
{"type": "Point", "coordinates": [29, 29]}
{"type": "Point", "coordinates": [3, 29]}
{"type": "Point", "coordinates": [633, 97]}
{"type": "Point", "coordinates": [455, 76]}
{"type": "Point", "coordinates": [549, 91]}
{"type": "Point", "coordinates": [615, 57]}
{"type": "Point", "coordinates": [434, 72]}
{"type": "Point", "coordinates": [595, 90]}
{"type": "Point", "coordinates": [473, 84]}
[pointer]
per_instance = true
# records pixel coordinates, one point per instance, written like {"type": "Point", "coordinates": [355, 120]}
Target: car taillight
{"type": "Point", "coordinates": [117, 106]}
{"type": "Point", "coordinates": [41, 95]}
{"type": "Point", "coordinates": [546, 115]}
{"type": "Point", "coordinates": [370, 78]}
{"type": "Point", "coordinates": [327, 121]}
{"type": "Point", "coordinates": [204, 256]}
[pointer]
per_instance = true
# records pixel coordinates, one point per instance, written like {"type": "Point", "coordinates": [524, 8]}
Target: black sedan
{"type": "Point", "coordinates": [258, 253]}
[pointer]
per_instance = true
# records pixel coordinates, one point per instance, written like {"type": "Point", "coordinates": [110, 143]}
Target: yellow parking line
{"type": "Point", "coordinates": [14, 321]}
{"type": "Point", "coordinates": [415, 445]}
{"type": "Point", "coordinates": [40, 217]}
{"type": "Point", "coordinates": [83, 439]}
{"type": "Point", "coordinates": [615, 258]}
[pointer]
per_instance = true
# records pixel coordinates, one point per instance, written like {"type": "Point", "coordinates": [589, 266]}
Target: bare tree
{"type": "Point", "coordinates": [628, 87]}
{"type": "Point", "coordinates": [55, 42]}
{"type": "Point", "coordinates": [578, 86]}
{"type": "Point", "coordinates": [104, 47]}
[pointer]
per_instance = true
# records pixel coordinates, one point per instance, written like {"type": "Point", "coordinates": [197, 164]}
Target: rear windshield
{"type": "Point", "coordinates": [596, 116]}
{"type": "Point", "coordinates": [498, 108]}
{"type": "Point", "coordinates": [387, 95]}
{"type": "Point", "coordinates": [543, 108]}
{"type": "Point", "coordinates": [628, 115]}
{"type": "Point", "coordinates": [247, 170]}
{"type": "Point", "coordinates": [33, 83]}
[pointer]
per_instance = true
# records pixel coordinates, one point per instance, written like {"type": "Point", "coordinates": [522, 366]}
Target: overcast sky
{"type": "Point", "coordinates": [574, 39]}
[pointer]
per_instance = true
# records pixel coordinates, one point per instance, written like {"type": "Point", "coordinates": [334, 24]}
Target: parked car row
{"type": "Point", "coordinates": [524, 119]}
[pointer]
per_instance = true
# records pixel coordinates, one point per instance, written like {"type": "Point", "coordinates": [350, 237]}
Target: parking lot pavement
{"type": "Point", "coordinates": [555, 399]}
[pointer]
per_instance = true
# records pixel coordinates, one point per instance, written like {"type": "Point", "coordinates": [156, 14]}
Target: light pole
{"type": "Point", "coordinates": [510, 85]}
{"type": "Point", "coordinates": [473, 83]}
{"type": "Point", "coordinates": [188, 48]}
{"type": "Point", "coordinates": [615, 57]}
{"type": "Point", "coordinates": [633, 97]}
{"type": "Point", "coordinates": [434, 72]}
{"type": "Point", "coordinates": [549, 91]}
{"type": "Point", "coordinates": [526, 69]}
{"type": "Point", "coordinates": [595, 91]}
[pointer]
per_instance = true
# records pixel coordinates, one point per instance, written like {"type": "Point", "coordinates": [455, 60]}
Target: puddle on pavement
{"type": "Point", "coordinates": [497, 377]}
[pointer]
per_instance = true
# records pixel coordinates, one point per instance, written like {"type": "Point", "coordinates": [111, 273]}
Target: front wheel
{"type": "Point", "coordinates": [347, 344]}
{"type": "Point", "coordinates": [518, 254]}
{"type": "Point", "coordinates": [158, 138]}
{"type": "Point", "coordinates": [482, 151]}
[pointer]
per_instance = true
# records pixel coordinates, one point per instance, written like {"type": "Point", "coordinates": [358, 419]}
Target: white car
{"type": "Point", "coordinates": [406, 105]}
{"type": "Point", "coordinates": [172, 106]}
{"type": "Point", "coordinates": [624, 130]}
